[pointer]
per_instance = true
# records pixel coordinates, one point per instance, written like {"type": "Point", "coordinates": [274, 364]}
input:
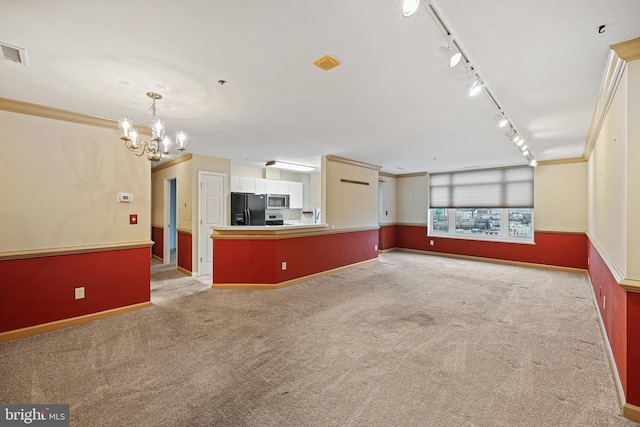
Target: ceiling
{"type": "Point", "coordinates": [393, 102]}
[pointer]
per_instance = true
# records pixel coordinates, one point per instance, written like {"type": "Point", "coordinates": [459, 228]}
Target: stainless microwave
{"type": "Point", "coordinates": [277, 201]}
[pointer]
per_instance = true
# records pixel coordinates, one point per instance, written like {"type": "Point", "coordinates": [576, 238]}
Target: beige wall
{"type": "Point", "coordinates": [59, 184]}
{"type": "Point", "coordinates": [388, 211]}
{"type": "Point", "coordinates": [607, 198]}
{"type": "Point", "coordinates": [347, 205]}
{"type": "Point", "coordinates": [560, 197]}
{"type": "Point", "coordinates": [412, 199]}
{"type": "Point", "coordinates": [247, 171]}
{"type": "Point", "coordinates": [633, 172]}
{"type": "Point", "coordinates": [182, 173]}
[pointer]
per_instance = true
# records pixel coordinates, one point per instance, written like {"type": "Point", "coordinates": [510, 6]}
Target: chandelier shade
{"type": "Point", "coordinates": [159, 147]}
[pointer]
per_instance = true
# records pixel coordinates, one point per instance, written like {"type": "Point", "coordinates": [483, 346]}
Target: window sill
{"type": "Point", "coordinates": [480, 238]}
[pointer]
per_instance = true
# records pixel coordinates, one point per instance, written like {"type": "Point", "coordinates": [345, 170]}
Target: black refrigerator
{"type": "Point", "coordinates": [248, 209]}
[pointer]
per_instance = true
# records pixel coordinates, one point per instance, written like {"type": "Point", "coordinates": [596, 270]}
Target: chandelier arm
{"type": "Point", "coordinates": [140, 151]}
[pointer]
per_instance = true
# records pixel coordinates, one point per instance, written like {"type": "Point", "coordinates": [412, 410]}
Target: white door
{"type": "Point", "coordinates": [212, 210]}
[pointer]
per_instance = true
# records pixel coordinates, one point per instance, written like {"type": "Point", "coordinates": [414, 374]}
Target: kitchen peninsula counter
{"type": "Point", "coordinates": [273, 256]}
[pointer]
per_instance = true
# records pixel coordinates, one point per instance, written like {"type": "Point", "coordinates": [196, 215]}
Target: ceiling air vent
{"type": "Point", "coordinates": [327, 62]}
{"type": "Point", "coordinates": [13, 53]}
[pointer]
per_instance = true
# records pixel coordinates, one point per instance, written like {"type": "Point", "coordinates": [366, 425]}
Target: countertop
{"type": "Point", "coordinates": [267, 227]}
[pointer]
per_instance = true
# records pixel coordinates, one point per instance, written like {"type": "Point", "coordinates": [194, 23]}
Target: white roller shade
{"type": "Point", "coordinates": [484, 188]}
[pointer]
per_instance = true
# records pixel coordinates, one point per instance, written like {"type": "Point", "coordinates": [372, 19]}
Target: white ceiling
{"type": "Point", "coordinates": [393, 102]}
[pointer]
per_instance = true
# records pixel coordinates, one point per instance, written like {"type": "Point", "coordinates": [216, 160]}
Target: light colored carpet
{"type": "Point", "coordinates": [412, 340]}
{"type": "Point", "coordinates": [168, 284]}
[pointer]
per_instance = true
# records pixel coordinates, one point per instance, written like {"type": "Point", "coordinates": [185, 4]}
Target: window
{"type": "Point", "coordinates": [487, 204]}
{"type": "Point", "coordinates": [513, 225]}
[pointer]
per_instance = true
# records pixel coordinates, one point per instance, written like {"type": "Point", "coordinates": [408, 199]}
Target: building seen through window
{"type": "Point", "coordinates": [483, 223]}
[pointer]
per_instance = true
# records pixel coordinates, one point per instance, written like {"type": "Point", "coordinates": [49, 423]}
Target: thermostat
{"type": "Point", "coordinates": [125, 197]}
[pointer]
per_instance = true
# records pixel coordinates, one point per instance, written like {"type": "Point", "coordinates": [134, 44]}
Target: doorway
{"type": "Point", "coordinates": [170, 227]}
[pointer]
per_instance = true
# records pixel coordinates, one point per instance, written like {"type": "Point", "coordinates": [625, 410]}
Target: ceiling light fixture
{"type": "Point", "coordinates": [289, 166]}
{"type": "Point", "coordinates": [500, 119]}
{"type": "Point", "coordinates": [451, 52]}
{"type": "Point", "coordinates": [409, 7]}
{"type": "Point", "coordinates": [475, 87]}
{"type": "Point", "coordinates": [160, 145]}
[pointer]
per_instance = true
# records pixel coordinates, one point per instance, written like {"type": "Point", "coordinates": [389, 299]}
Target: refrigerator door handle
{"type": "Point", "coordinates": [248, 216]}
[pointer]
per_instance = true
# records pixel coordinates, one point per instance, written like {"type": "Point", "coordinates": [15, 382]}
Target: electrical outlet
{"type": "Point", "coordinates": [375, 247]}
{"type": "Point", "coordinates": [80, 293]}
{"type": "Point", "coordinates": [431, 242]}
{"type": "Point", "coordinates": [604, 303]}
{"type": "Point", "coordinates": [133, 219]}
{"type": "Point", "coordinates": [284, 265]}
{"type": "Point", "coordinates": [588, 261]}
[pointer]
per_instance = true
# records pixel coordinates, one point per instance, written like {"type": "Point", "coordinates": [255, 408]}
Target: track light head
{"type": "Point", "coordinates": [455, 59]}
{"type": "Point", "coordinates": [453, 55]}
{"type": "Point", "coordinates": [533, 163]}
{"type": "Point", "coordinates": [475, 87]}
{"type": "Point", "coordinates": [409, 7]}
{"type": "Point", "coordinates": [500, 119]}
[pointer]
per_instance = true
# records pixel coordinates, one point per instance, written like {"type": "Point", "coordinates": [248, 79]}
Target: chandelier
{"type": "Point", "coordinates": [160, 145]}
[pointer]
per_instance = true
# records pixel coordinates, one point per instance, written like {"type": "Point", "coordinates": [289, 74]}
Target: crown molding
{"type": "Point", "coordinates": [332, 158]}
{"type": "Point", "coordinates": [562, 161]}
{"type": "Point", "coordinates": [629, 50]}
{"type": "Point", "coordinates": [29, 109]}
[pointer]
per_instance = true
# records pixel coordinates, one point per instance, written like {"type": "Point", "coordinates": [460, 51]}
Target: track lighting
{"type": "Point", "coordinates": [475, 87]}
{"type": "Point", "coordinates": [471, 76]}
{"type": "Point", "coordinates": [454, 55]}
{"type": "Point", "coordinates": [501, 120]}
{"type": "Point", "coordinates": [409, 7]}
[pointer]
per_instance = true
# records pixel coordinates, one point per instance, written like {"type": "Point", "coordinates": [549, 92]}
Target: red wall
{"type": "Point", "coordinates": [387, 237]}
{"type": "Point", "coordinates": [633, 348]}
{"type": "Point", "coordinates": [41, 290]}
{"type": "Point", "coordinates": [157, 235]}
{"type": "Point", "coordinates": [614, 314]}
{"type": "Point", "coordinates": [558, 249]}
{"type": "Point", "coordinates": [260, 261]}
{"type": "Point", "coordinates": [185, 252]}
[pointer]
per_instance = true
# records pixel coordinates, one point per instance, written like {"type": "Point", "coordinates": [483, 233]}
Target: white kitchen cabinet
{"type": "Point", "coordinates": [243, 184]}
{"type": "Point", "coordinates": [272, 186]}
{"type": "Point", "coordinates": [247, 184]}
{"type": "Point", "coordinates": [283, 187]}
{"type": "Point", "coordinates": [235, 183]}
{"type": "Point", "coordinates": [261, 186]}
{"type": "Point", "coordinates": [295, 195]}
